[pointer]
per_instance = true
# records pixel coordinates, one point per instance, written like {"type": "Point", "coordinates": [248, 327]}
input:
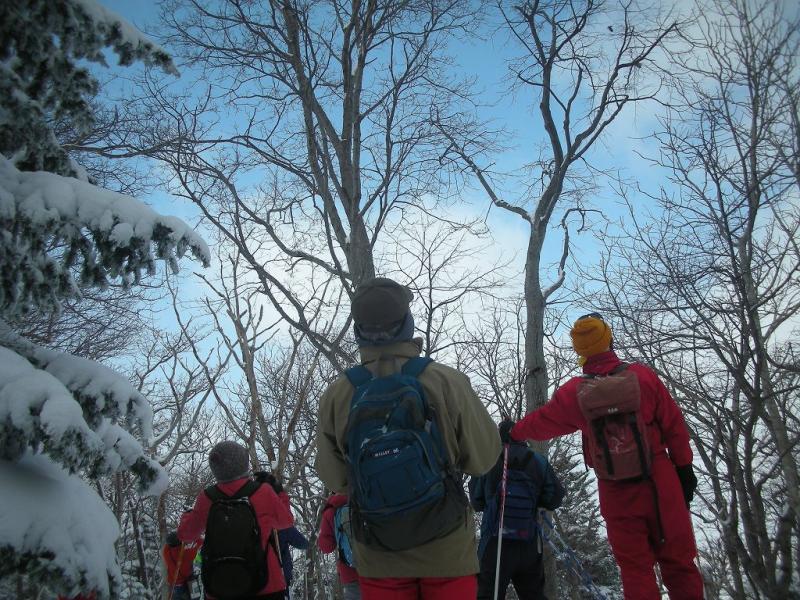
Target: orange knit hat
{"type": "Point", "coordinates": [590, 335]}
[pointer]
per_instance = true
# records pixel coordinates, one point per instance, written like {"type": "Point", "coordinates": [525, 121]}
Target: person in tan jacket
{"type": "Point", "coordinates": [444, 567]}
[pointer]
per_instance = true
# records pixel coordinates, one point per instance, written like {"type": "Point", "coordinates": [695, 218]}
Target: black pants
{"type": "Point", "coordinates": [520, 564]}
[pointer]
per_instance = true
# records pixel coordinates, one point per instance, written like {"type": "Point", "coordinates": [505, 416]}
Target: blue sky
{"type": "Point", "coordinates": [486, 59]}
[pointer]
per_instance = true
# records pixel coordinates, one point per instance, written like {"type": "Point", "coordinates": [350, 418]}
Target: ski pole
{"type": "Point", "coordinates": [177, 573]}
{"type": "Point", "coordinates": [502, 516]}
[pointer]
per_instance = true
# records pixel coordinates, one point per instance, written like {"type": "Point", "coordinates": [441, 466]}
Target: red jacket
{"type": "Point", "coordinates": [183, 554]}
{"type": "Point", "coordinates": [272, 511]}
{"type": "Point", "coordinates": [562, 415]}
{"type": "Point", "coordinates": [327, 537]}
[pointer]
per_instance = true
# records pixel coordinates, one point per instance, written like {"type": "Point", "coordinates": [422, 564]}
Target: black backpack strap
{"type": "Point", "coordinates": [214, 493]}
{"type": "Point", "coordinates": [247, 490]}
{"type": "Point", "coordinates": [599, 433]}
{"type": "Point", "coordinates": [358, 375]}
{"type": "Point", "coordinates": [639, 445]}
{"type": "Point", "coordinates": [415, 366]}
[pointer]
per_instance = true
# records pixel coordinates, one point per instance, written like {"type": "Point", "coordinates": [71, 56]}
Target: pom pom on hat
{"type": "Point", "coordinates": [590, 335]}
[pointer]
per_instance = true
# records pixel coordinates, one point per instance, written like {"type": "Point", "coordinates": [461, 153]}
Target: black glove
{"type": "Point", "coordinates": [265, 477]}
{"type": "Point", "coordinates": [505, 430]}
{"type": "Point", "coordinates": [688, 482]}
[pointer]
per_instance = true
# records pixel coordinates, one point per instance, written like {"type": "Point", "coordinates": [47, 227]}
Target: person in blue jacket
{"type": "Point", "coordinates": [290, 538]}
{"type": "Point", "coordinates": [531, 484]}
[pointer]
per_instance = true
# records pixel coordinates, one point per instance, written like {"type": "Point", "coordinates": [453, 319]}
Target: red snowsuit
{"type": "Point", "coordinates": [272, 512]}
{"type": "Point", "coordinates": [630, 509]}
{"type": "Point", "coordinates": [327, 537]}
{"type": "Point", "coordinates": [173, 555]}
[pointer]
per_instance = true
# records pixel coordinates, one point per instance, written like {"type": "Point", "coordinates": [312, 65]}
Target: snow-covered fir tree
{"type": "Point", "coordinates": [66, 421]}
{"type": "Point", "coordinates": [41, 42]}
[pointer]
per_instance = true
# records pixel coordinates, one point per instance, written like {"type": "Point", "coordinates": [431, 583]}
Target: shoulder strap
{"type": "Point", "coordinates": [415, 366]}
{"type": "Point", "coordinates": [214, 493]}
{"type": "Point", "coordinates": [247, 490]}
{"type": "Point", "coordinates": [358, 375]}
{"type": "Point", "coordinates": [615, 371]}
{"type": "Point", "coordinates": [619, 368]}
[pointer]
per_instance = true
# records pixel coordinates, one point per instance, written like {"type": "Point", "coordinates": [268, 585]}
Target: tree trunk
{"type": "Point", "coordinates": [536, 380]}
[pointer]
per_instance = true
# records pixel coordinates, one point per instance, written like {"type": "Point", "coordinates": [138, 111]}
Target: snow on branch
{"type": "Point", "coordinates": [70, 407]}
{"type": "Point", "coordinates": [53, 224]}
{"type": "Point", "coordinates": [55, 528]}
{"type": "Point", "coordinates": [128, 42]}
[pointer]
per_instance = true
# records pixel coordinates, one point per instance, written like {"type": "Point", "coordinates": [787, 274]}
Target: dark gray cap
{"type": "Point", "coordinates": [380, 303]}
{"type": "Point", "coordinates": [228, 461]}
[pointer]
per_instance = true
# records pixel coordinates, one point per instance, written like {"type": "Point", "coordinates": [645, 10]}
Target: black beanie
{"type": "Point", "coordinates": [380, 304]}
{"type": "Point", "coordinates": [228, 461]}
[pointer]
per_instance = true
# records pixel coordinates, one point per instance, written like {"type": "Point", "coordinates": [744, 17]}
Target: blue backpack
{"type": "Point", "coordinates": [403, 492]}
{"type": "Point", "coordinates": [521, 503]}
{"type": "Point", "coordinates": [342, 531]}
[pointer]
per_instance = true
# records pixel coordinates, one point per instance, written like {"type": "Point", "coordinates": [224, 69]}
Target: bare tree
{"type": "Point", "coordinates": [331, 101]}
{"type": "Point", "coordinates": [585, 62]}
{"type": "Point", "coordinates": [100, 325]}
{"type": "Point", "coordinates": [583, 72]}
{"type": "Point", "coordinates": [446, 266]}
{"type": "Point", "coordinates": [708, 290]}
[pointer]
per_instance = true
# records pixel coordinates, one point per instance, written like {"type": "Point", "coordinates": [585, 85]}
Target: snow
{"type": "Point", "coordinates": [52, 523]}
{"type": "Point", "coordinates": [130, 34]}
{"type": "Point", "coordinates": [41, 197]}
{"type": "Point", "coordinates": [58, 522]}
{"type": "Point", "coordinates": [113, 393]}
{"type": "Point", "coordinates": [34, 404]}
{"type": "Point", "coordinates": [39, 403]}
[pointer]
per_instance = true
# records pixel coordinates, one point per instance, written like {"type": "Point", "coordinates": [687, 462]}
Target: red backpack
{"type": "Point", "coordinates": [618, 444]}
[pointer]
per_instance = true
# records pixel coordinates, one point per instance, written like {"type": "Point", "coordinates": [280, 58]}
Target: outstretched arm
{"type": "Point", "coordinates": [559, 416]}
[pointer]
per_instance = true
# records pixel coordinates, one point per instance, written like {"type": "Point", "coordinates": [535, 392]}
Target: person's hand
{"type": "Point", "coordinates": [505, 430]}
{"type": "Point", "coordinates": [688, 482]}
{"type": "Point", "coordinates": [265, 477]}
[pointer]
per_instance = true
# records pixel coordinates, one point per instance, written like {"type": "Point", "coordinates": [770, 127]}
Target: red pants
{"type": "Point", "coordinates": [424, 588]}
{"type": "Point", "coordinates": [634, 530]}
